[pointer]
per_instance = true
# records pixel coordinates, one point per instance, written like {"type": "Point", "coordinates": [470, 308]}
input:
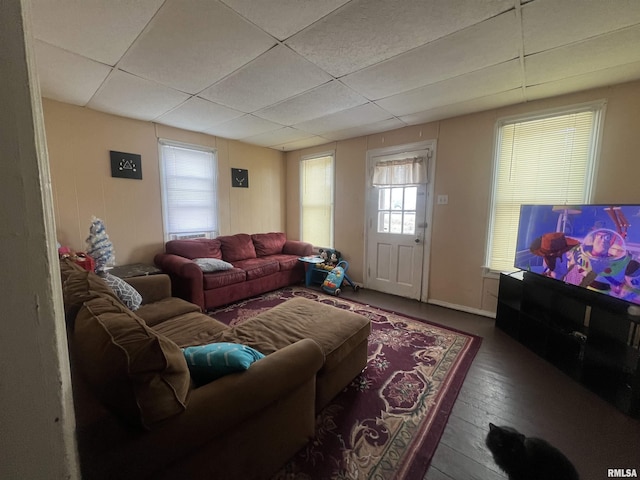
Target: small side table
{"type": "Point", "coordinates": [309, 267]}
{"type": "Point", "coordinates": [134, 270]}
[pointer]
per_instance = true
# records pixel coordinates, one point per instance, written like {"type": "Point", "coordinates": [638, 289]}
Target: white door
{"type": "Point", "coordinates": [396, 234]}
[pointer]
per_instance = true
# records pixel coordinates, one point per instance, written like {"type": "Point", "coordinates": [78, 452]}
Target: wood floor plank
{"type": "Point", "coordinates": [460, 467]}
{"type": "Point", "coordinates": [435, 474]}
{"type": "Point", "coordinates": [463, 436]}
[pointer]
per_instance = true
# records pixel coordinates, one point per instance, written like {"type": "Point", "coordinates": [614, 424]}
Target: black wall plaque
{"type": "Point", "coordinates": [239, 178]}
{"type": "Point", "coordinates": [126, 165]}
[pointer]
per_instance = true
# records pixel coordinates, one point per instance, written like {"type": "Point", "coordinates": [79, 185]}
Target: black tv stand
{"type": "Point", "coordinates": [588, 335]}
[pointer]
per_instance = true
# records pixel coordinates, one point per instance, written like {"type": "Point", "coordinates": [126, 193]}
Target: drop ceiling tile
{"type": "Point", "coordinates": [482, 45]}
{"type": "Point", "coordinates": [481, 83]}
{"type": "Point", "coordinates": [368, 129]}
{"type": "Point", "coordinates": [599, 53]}
{"type": "Point", "coordinates": [352, 117]}
{"type": "Point", "coordinates": [283, 18]}
{"type": "Point", "coordinates": [277, 137]}
{"type": "Point", "coordinates": [100, 30]}
{"type": "Point", "coordinates": [130, 96]}
{"type": "Point", "coordinates": [323, 100]}
{"type": "Point", "coordinates": [368, 32]}
{"type": "Point", "coordinates": [571, 45]}
{"type": "Point", "coordinates": [489, 102]}
{"type": "Point", "coordinates": [197, 114]}
{"type": "Point", "coordinates": [610, 76]}
{"type": "Point", "coordinates": [300, 144]}
{"type": "Point", "coordinates": [548, 23]}
{"type": "Point", "coordinates": [242, 127]}
{"type": "Point", "coordinates": [275, 75]}
{"type": "Point", "coordinates": [67, 77]}
{"type": "Point", "coordinates": [191, 44]}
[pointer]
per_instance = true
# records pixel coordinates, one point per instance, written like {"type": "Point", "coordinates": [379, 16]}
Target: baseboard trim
{"type": "Point", "coordinates": [462, 308]}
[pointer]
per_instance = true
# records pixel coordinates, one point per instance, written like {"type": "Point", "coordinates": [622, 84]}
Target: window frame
{"type": "Point", "coordinates": [403, 211]}
{"type": "Point", "coordinates": [330, 153]}
{"type": "Point", "coordinates": [200, 233]}
{"type": "Point", "coordinates": [599, 109]}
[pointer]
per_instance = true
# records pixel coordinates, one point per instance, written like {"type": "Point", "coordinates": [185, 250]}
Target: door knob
{"type": "Point", "coordinates": [417, 240]}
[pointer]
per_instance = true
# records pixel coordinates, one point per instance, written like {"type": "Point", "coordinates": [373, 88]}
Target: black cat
{"type": "Point", "coordinates": [527, 458]}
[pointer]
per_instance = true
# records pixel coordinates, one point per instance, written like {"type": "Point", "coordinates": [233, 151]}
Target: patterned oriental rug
{"type": "Point", "coordinates": [387, 423]}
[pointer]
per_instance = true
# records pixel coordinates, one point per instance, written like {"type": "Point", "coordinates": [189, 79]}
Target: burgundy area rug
{"type": "Point", "coordinates": [387, 423]}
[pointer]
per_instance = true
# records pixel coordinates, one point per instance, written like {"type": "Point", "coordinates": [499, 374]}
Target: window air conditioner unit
{"type": "Point", "coordinates": [189, 236]}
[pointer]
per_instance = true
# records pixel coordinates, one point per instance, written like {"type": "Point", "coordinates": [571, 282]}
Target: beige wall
{"type": "Point", "coordinates": [464, 159]}
{"type": "Point", "coordinates": [79, 141]}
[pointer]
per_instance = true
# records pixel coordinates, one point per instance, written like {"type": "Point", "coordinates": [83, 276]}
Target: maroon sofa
{"type": "Point", "coordinates": [259, 263]}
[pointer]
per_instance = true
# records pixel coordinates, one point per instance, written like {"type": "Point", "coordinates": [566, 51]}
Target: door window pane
{"type": "Point", "coordinates": [397, 209]}
{"type": "Point", "coordinates": [396, 198]}
{"type": "Point", "coordinates": [384, 199]}
{"type": "Point", "coordinates": [396, 222]}
{"type": "Point", "coordinates": [409, 225]}
{"type": "Point", "coordinates": [410, 198]}
{"type": "Point", "coordinates": [383, 222]}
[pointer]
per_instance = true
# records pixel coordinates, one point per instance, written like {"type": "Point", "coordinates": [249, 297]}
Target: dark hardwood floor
{"type": "Point", "coordinates": [509, 385]}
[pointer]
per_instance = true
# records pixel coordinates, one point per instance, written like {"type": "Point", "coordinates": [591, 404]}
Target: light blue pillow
{"type": "Point", "coordinates": [209, 362]}
{"type": "Point", "coordinates": [212, 264]}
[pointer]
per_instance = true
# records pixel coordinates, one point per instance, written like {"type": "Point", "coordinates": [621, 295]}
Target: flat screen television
{"type": "Point", "coordinates": [596, 247]}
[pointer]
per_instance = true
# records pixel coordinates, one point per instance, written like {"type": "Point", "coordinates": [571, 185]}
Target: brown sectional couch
{"type": "Point", "coordinates": [139, 415]}
{"type": "Point", "coordinates": [261, 262]}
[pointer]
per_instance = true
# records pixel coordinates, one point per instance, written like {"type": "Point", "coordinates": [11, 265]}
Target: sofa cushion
{"type": "Point", "coordinates": [195, 248]}
{"type": "Point", "coordinates": [164, 309]}
{"type": "Point", "coordinates": [286, 262]}
{"type": "Point", "coordinates": [212, 264]}
{"type": "Point", "coordinates": [268, 243]}
{"type": "Point", "coordinates": [258, 267]}
{"type": "Point", "coordinates": [125, 292]}
{"type": "Point", "coordinates": [223, 278]}
{"type": "Point", "coordinates": [81, 286]}
{"type": "Point", "coordinates": [209, 362]}
{"type": "Point", "coordinates": [139, 374]}
{"type": "Point", "coordinates": [191, 329]}
{"type": "Point", "coordinates": [237, 247]}
{"type": "Point", "coordinates": [297, 248]}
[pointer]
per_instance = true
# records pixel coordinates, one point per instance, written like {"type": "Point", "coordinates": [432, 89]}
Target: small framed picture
{"type": "Point", "coordinates": [239, 178]}
{"type": "Point", "coordinates": [126, 165]}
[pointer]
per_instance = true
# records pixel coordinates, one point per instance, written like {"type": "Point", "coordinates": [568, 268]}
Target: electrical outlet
{"type": "Point", "coordinates": [443, 199]}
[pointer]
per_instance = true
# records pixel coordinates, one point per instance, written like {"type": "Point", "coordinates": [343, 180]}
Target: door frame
{"type": "Point", "coordinates": [426, 255]}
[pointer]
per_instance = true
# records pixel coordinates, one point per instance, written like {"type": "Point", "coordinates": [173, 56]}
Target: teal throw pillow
{"type": "Point", "coordinates": [209, 362]}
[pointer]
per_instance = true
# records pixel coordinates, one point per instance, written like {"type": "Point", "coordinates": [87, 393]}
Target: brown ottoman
{"type": "Point", "coordinates": [342, 335]}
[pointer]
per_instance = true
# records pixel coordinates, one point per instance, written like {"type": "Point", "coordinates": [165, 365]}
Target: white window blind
{"type": "Point", "coordinates": [316, 198]}
{"type": "Point", "coordinates": [189, 190]}
{"type": "Point", "coordinates": [546, 160]}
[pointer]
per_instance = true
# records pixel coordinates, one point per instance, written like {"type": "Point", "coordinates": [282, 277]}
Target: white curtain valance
{"type": "Point", "coordinates": [400, 172]}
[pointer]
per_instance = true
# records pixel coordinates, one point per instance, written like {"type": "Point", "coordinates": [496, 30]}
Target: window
{"type": "Point", "coordinates": [316, 200]}
{"type": "Point", "coordinates": [189, 191]}
{"type": "Point", "coordinates": [547, 159]}
{"type": "Point", "coordinates": [395, 178]}
{"type": "Point", "coordinates": [397, 209]}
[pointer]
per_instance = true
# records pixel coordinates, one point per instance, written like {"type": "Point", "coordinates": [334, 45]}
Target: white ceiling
{"type": "Point", "coordinates": [290, 74]}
